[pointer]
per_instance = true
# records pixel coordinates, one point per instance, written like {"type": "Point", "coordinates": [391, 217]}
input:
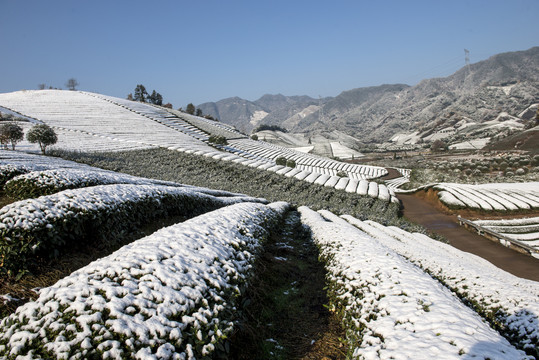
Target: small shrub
{"type": "Point", "coordinates": [254, 137]}
{"type": "Point", "coordinates": [218, 139]}
{"type": "Point", "coordinates": [290, 163]}
{"type": "Point", "coordinates": [520, 172]}
{"type": "Point", "coordinates": [342, 174]}
{"type": "Point", "coordinates": [281, 160]}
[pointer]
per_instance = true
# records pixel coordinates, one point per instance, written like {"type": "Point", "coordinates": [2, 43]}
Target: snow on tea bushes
{"type": "Point", "coordinates": [46, 182]}
{"type": "Point", "coordinates": [304, 161]}
{"type": "Point", "coordinates": [170, 295]}
{"type": "Point", "coordinates": [46, 225]}
{"type": "Point", "coordinates": [79, 113]}
{"type": "Point", "coordinates": [391, 308]}
{"type": "Point", "coordinates": [109, 123]}
{"type": "Point", "coordinates": [525, 230]}
{"type": "Point", "coordinates": [509, 303]}
{"type": "Point", "coordinates": [489, 197]}
{"type": "Point", "coordinates": [9, 171]}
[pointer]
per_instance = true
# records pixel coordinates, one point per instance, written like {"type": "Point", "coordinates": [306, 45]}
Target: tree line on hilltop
{"type": "Point", "coordinates": [141, 94]}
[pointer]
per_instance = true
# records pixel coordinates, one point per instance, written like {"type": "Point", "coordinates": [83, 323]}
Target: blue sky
{"type": "Point", "coordinates": [207, 50]}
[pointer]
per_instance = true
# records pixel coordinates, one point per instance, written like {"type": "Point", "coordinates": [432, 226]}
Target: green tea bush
{"type": "Point", "coordinates": [218, 139]}
{"type": "Point", "coordinates": [102, 215]}
{"type": "Point", "coordinates": [210, 173]}
{"type": "Point", "coordinates": [290, 163]}
{"type": "Point", "coordinates": [281, 160]}
{"type": "Point", "coordinates": [8, 172]}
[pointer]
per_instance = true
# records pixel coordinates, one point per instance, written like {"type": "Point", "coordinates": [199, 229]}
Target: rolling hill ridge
{"type": "Point", "coordinates": [504, 85]}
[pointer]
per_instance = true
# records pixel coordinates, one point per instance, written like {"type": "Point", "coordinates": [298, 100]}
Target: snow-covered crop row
{"type": "Point", "coordinates": [30, 162]}
{"type": "Point", "coordinates": [390, 308]}
{"type": "Point", "coordinates": [501, 298]}
{"type": "Point", "coordinates": [37, 162]}
{"type": "Point", "coordinates": [46, 225]}
{"type": "Point", "coordinates": [158, 114]}
{"type": "Point", "coordinates": [45, 182]}
{"type": "Point", "coordinates": [490, 197]}
{"type": "Point", "coordinates": [79, 113]}
{"type": "Point", "coordinates": [396, 183]}
{"type": "Point", "coordinates": [171, 295]}
{"type": "Point", "coordinates": [525, 230]}
{"type": "Point", "coordinates": [209, 126]}
{"type": "Point", "coordinates": [305, 161]}
{"type": "Point", "coordinates": [93, 122]}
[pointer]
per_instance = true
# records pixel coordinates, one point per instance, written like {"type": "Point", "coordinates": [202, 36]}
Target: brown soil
{"type": "Point", "coordinates": [391, 174]}
{"type": "Point", "coordinates": [422, 209]}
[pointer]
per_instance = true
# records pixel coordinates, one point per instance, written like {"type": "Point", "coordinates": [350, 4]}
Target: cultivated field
{"type": "Point", "coordinates": [185, 290]}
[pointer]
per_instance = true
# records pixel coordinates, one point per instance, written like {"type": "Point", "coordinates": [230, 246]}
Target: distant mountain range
{"type": "Point", "coordinates": [505, 84]}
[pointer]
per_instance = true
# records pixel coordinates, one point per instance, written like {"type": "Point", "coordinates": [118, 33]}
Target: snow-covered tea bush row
{"type": "Point", "coordinates": [490, 197]}
{"type": "Point", "coordinates": [85, 114]}
{"type": "Point", "coordinates": [525, 230]}
{"type": "Point", "coordinates": [9, 171]}
{"type": "Point", "coordinates": [46, 182]}
{"type": "Point", "coordinates": [36, 162]}
{"type": "Point", "coordinates": [209, 126]}
{"type": "Point", "coordinates": [119, 122]}
{"type": "Point", "coordinates": [48, 170]}
{"type": "Point", "coordinates": [304, 161]}
{"type": "Point", "coordinates": [361, 187]}
{"type": "Point", "coordinates": [46, 225]}
{"type": "Point", "coordinates": [506, 301]}
{"type": "Point", "coordinates": [158, 114]}
{"type": "Point", "coordinates": [391, 308]}
{"type": "Point", "coordinates": [171, 295]}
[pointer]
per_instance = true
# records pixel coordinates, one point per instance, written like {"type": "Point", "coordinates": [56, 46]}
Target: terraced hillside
{"type": "Point", "coordinates": [174, 294]}
{"type": "Point", "coordinates": [182, 292]}
{"type": "Point", "coordinates": [79, 119]}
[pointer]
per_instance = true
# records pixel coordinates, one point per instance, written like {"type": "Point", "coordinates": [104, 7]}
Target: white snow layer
{"type": "Point", "coordinates": [494, 196]}
{"type": "Point", "coordinates": [393, 309]}
{"type": "Point", "coordinates": [38, 213]}
{"type": "Point", "coordinates": [157, 298]}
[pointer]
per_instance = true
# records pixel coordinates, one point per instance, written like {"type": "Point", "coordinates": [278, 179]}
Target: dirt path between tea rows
{"type": "Point", "coordinates": [420, 211]}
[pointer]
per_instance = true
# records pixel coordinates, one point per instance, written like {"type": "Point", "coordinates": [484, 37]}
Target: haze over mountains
{"type": "Point", "coordinates": [504, 86]}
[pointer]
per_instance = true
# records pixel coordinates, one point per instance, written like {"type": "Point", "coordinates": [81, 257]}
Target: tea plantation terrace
{"type": "Point", "coordinates": [92, 122]}
{"type": "Point", "coordinates": [173, 294]}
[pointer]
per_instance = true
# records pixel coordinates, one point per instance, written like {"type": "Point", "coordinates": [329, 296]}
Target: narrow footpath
{"type": "Point", "coordinates": [422, 212]}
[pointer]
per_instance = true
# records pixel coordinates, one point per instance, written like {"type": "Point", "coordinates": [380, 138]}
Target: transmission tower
{"type": "Point", "coordinates": [467, 59]}
{"type": "Point", "coordinates": [320, 111]}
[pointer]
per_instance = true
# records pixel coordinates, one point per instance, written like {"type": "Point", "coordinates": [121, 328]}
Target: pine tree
{"type": "Point", "coordinates": [190, 109]}
{"type": "Point", "coordinates": [140, 93]}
